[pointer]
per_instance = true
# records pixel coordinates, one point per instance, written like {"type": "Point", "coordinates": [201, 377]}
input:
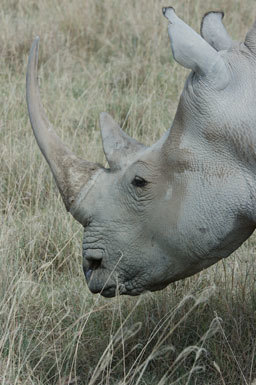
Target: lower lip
{"type": "Point", "coordinates": [108, 292]}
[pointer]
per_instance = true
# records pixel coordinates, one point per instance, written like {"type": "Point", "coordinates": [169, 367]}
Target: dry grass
{"type": "Point", "coordinates": [96, 56]}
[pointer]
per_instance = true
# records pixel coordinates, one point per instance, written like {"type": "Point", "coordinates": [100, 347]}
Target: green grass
{"type": "Point", "coordinates": [104, 56]}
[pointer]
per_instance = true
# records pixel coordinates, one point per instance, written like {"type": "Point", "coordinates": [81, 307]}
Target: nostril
{"type": "Point", "coordinates": [94, 263]}
{"type": "Point", "coordinates": [92, 257]}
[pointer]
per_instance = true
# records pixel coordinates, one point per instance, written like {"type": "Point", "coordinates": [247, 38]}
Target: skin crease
{"type": "Point", "coordinates": [165, 212]}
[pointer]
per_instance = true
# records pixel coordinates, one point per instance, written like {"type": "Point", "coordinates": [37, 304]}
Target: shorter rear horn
{"type": "Point", "coordinates": [118, 147]}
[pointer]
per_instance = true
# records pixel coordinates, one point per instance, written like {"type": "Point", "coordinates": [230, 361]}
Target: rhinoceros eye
{"type": "Point", "coordinates": [139, 182]}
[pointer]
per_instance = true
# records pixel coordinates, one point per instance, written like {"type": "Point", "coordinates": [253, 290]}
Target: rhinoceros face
{"type": "Point", "coordinates": [122, 247]}
{"type": "Point", "coordinates": [128, 236]}
{"type": "Point", "coordinates": [165, 212]}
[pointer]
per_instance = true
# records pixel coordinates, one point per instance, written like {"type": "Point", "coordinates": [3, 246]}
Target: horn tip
{"type": "Point", "coordinates": [35, 47]}
{"type": "Point", "coordinates": [104, 118]}
{"type": "Point", "coordinates": [36, 41]}
{"type": "Point", "coordinates": [103, 115]}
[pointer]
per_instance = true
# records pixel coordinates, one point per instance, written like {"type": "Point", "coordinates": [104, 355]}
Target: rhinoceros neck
{"type": "Point", "coordinates": [222, 138]}
{"type": "Point", "coordinates": [217, 154]}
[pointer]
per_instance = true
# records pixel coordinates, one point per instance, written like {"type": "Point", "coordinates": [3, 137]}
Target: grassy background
{"type": "Point", "coordinates": [109, 55]}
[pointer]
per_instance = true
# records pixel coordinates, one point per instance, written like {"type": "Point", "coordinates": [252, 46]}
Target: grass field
{"type": "Point", "coordinates": [110, 56]}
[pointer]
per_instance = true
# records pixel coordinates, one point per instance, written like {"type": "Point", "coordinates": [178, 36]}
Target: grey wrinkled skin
{"type": "Point", "coordinates": [165, 212]}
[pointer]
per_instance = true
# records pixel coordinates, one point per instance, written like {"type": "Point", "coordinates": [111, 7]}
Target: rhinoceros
{"type": "Point", "coordinates": [164, 212]}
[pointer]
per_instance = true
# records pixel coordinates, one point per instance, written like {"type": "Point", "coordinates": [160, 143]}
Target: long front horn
{"type": "Point", "coordinates": [70, 172]}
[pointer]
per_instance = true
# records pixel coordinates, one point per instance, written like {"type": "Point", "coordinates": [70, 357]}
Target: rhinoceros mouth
{"type": "Point", "coordinates": [109, 283]}
{"type": "Point", "coordinates": [107, 286]}
{"type": "Point", "coordinates": [112, 291]}
{"type": "Point", "coordinates": [100, 281]}
{"type": "Point", "coordinates": [108, 291]}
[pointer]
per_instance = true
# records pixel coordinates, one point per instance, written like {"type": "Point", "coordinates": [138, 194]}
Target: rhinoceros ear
{"type": "Point", "coordinates": [118, 147]}
{"type": "Point", "coordinates": [192, 51]}
{"type": "Point", "coordinates": [214, 32]}
{"type": "Point", "coordinates": [250, 40]}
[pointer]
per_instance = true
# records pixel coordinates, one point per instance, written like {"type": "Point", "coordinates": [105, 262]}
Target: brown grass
{"type": "Point", "coordinates": [104, 56]}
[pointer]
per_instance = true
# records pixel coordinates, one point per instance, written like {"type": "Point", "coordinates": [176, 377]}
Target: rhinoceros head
{"type": "Point", "coordinates": [162, 213]}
